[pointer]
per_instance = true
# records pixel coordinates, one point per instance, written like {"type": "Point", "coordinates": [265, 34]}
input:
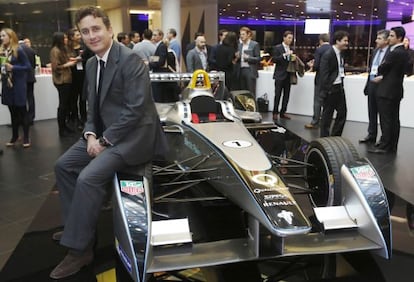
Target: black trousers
{"type": "Point", "coordinates": [279, 86]}
{"type": "Point", "coordinates": [19, 117]}
{"type": "Point", "coordinates": [64, 91]}
{"type": "Point", "coordinates": [389, 112]}
{"type": "Point", "coordinates": [317, 105]}
{"type": "Point", "coordinates": [335, 101]}
{"type": "Point", "coordinates": [372, 109]}
{"type": "Point", "coordinates": [30, 101]}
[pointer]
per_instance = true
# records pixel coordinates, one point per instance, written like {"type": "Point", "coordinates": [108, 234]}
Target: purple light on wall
{"type": "Point", "coordinates": [230, 21]}
{"type": "Point", "coordinates": [143, 17]}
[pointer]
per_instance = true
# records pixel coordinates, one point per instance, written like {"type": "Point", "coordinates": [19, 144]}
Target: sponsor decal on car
{"type": "Point", "coordinates": [132, 187]}
{"type": "Point", "coordinates": [286, 215]}
{"type": "Point", "coordinates": [237, 144]}
{"type": "Point", "coordinates": [123, 256]}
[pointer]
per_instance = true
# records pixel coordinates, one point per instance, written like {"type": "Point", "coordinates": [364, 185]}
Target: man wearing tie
{"type": "Point", "coordinates": [371, 87]}
{"type": "Point", "coordinates": [282, 54]}
{"type": "Point", "coordinates": [122, 129]}
{"type": "Point", "coordinates": [332, 93]}
{"type": "Point", "coordinates": [390, 91]}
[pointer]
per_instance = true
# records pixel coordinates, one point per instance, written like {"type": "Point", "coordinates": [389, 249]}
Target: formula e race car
{"type": "Point", "coordinates": [240, 200]}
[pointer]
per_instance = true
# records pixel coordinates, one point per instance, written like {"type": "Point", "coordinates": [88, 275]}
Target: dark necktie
{"type": "Point", "coordinates": [98, 119]}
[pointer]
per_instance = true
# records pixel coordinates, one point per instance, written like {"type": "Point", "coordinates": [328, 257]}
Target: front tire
{"type": "Point", "coordinates": [327, 155]}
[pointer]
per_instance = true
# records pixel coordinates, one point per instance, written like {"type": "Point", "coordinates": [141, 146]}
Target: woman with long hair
{"type": "Point", "coordinates": [14, 70]}
{"type": "Point", "coordinates": [62, 78]}
{"type": "Point", "coordinates": [226, 57]}
{"type": "Point", "coordinates": [77, 52]}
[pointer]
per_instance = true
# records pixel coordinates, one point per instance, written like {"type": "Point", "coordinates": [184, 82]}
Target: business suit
{"type": "Point", "coordinates": [248, 75]}
{"type": "Point", "coordinates": [316, 98]}
{"type": "Point", "coordinates": [282, 79]}
{"type": "Point", "coordinates": [389, 94]}
{"type": "Point", "coordinates": [130, 124]}
{"type": "Point", "coordinates": [370, 90]}
{"type": "Point", "coordinates": [194, 62]}
{"type": "Point", "coordinates": [332, 94]}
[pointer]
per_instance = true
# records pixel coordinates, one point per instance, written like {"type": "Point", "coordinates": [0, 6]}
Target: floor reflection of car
{"type": "Point", "coordinates": [236, 192]}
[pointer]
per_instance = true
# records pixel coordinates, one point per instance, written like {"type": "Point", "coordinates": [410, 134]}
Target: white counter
{"type": "Point", "coordinates": [46, 100]}
{"type": "Point", "coordinates": [301, 96]}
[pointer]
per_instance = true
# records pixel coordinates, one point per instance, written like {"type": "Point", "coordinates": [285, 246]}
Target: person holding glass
{"type": "Point", "coordinates": [14, 70]}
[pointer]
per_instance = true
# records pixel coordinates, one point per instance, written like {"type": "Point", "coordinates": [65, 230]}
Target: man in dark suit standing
{"type": "Point", "coordinates": [370, 89]}
{"type": "Point", "coordinates": [158, 63]}
{"type": "Point", "coordinates": [331, 78]}
{"type": "Point", "coordinates": [122, 129]}
{"type": "Point", "coordinates": [282, 54]}
{"type": "Point", "coordinates": [249, 51]}
{"type": "Point", "coordinates": [390, 91]}
{"type": "Point", "coordinates": [323, 47]}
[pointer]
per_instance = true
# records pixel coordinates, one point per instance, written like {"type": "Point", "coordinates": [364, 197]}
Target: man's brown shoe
{"type": "Point", "coordinates": [57, 236]}
{"type": "Point", "coordinates": [275, 116]}
{"type": "Point", "coordinates": [284, 116]}
{"type": "Point", "coordinates": [311, 126]}
{"type": "Point", "coordinates": [71, 264]}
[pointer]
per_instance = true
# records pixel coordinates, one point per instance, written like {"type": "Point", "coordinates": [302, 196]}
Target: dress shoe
{"type": "Point", "coordinates": [284, 116]}
{"type": "Point", "coordinates": [10, 144]}
{"type": "Point", "coordinates": [1, 151]}
{"type": "Point", "coordinates": [57, 236]}
{"type": "Point", "coordinates": [275, 116]}
{"type": "Point", "coordinates": [379, 151]}
{"type": "Point", "coordinates": [71, 264]}
{"type": "Point", "coordinates": [311, 126]}
{"type": "Point", "coordinates": [367, 139]}
{"type": "Point", "coordinates": [378, 144]}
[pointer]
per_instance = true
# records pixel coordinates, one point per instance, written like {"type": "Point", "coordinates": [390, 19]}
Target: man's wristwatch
{"type": "Point", "coordinates": [103, 142]}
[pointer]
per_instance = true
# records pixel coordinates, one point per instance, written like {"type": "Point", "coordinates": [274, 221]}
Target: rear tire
{"type": "Point", "coordinates": [327, 155]}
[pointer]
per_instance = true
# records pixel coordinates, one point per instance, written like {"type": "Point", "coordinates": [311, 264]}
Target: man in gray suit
{"type": "Point", "coordinates": [249, 52]}
{"type": "Point", "coordinates": [197, 58]}
{"type": "Point", "coordinates": [122, 130]}
{"type": "Point", "coordinates": [145, 49]}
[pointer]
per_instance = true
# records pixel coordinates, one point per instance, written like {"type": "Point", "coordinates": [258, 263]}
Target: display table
{"type": "Point", "coordinates": [301, 96]}
{"type": "Point", "coordinates": [46, 100]}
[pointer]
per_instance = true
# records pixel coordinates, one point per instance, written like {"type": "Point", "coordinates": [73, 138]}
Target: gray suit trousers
{"type": "Point", "coordinates": [82, 182]}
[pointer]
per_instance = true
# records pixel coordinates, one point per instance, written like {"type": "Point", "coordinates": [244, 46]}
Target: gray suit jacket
{"type": "Point", "coordinates": [254, 59]}
{"type": "Point", "coordinates": [131, 122]}
{"type": "Point", "coordinates": [193, 60]}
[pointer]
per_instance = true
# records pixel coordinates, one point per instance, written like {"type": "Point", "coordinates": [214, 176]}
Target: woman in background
{"type": "Point", "coordinates": [14, 70]}
{"type": "Point", "coordinates": [226, 57]}
{"type": "Point", "coordinates": [62, 79]}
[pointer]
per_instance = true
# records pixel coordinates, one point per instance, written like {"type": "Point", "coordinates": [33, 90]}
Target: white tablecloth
{"type": "Point", "coordinates": [301, 96]}
{"type": "Point", "coordinates": [46, 100]}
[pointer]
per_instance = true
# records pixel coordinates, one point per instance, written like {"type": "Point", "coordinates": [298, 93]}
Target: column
{"type": "Point", "coordinates": [171, 16]}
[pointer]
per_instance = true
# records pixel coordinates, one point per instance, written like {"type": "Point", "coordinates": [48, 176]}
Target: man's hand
{"type": "Point", "coordinates": [377, 79]}
{"type": "Point", "coordinates": [94, 148]}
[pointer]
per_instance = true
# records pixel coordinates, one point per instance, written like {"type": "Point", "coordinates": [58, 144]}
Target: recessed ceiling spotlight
{"type": "Point", "coordinates": [273, 2]}
{"type": "Point", "coordinates": [257, 8]}
{"type": "Point", "coordinates": [228, 4]}
{"type": "Point", "coordinates": [341, 4]}
{"type": "Point", "coordinates": [359, 7]}
{"type": "Point", "coordinates": [281, 10]}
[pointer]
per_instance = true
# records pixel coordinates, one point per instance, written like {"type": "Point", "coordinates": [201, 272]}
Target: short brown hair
{"type": "Point", "coordinates": [92, 11]}
{"type": "Point", "coordinates": [287, 32]}
{"type": "Point", "coordinates": [246, 29]}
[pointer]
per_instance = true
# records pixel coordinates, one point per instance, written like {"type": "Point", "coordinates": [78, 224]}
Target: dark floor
{"type": "Point", "coordinates": [27, 197]}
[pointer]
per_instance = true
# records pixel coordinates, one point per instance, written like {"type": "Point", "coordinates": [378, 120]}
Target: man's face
{"type": "Point", "coordinates": [343, 43]}
{"type": "Point", "coordinates": [288, 39]}
{"type": "Point", "coordinates": [156, 37]}
{"type": "Point", "coordinates": [126, 40]}
{"type": "Point", "coordinates": [244, 36]}
{"type": "Point", "coordinates": [201, 42]}
{"type": "Point", "coordinates": [393, 38]}
{"type": "Point", "coordinates": [95, 34]}
{"type": "Point", "coordinates": [381, 41]}
{"type": "Point", "coordinates": [136, 38]}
